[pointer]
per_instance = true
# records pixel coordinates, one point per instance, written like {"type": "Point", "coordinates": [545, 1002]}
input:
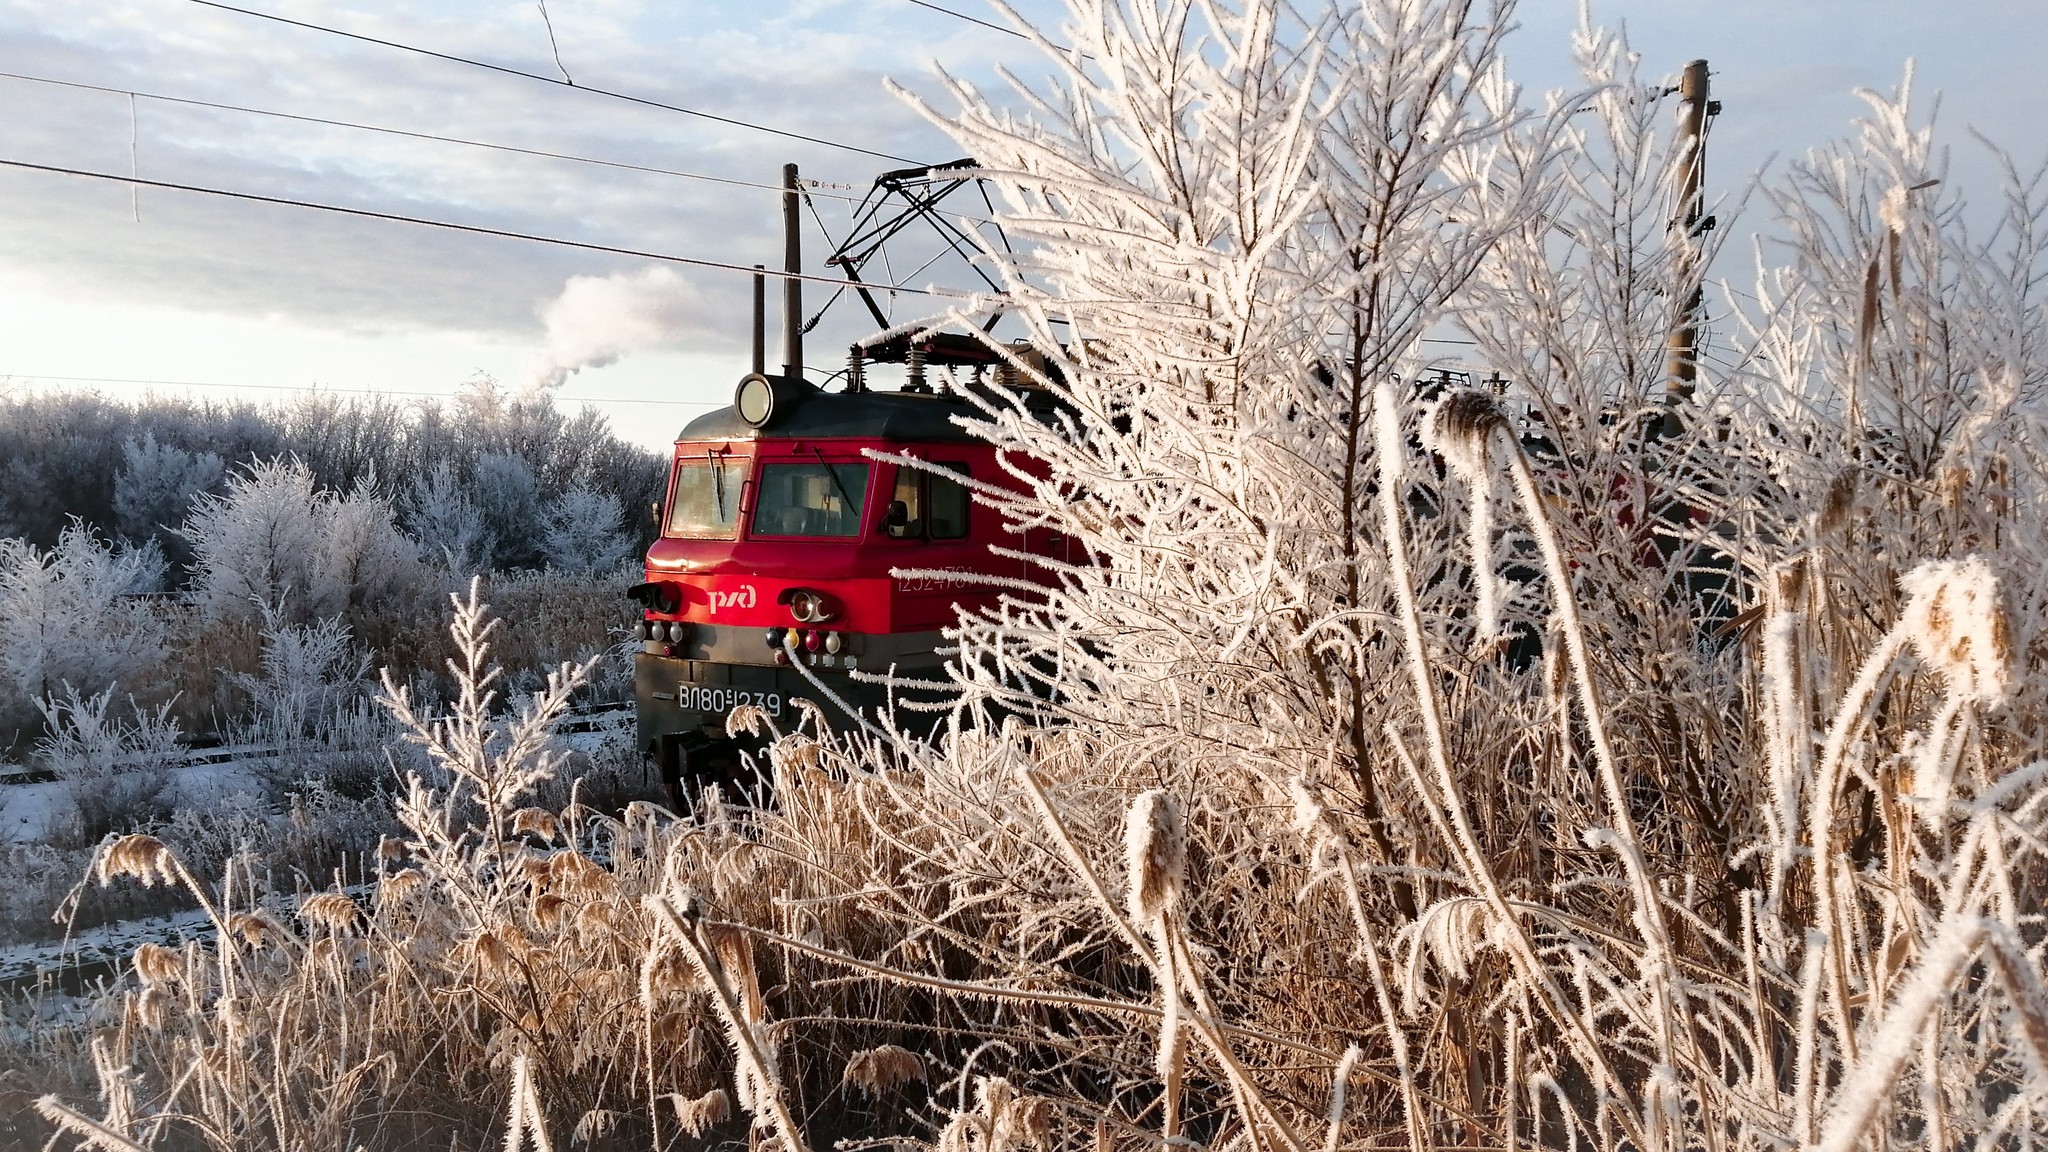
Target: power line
{"type": "Point", "coordinates": [641, 100]}
{"type": "Point", "coordinates": [748, 269]}
{"type": "Point", "coordinates": [132, 93]}
{"type": "Point", "coordinates": [971, 19]}
{"type": "Point", "coordinates": [318, 388]}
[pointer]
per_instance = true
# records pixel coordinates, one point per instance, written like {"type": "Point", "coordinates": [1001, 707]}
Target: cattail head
{"type": "Point", "coordinates": [332, 912]}
{"type": "Point", "coordinates": [1956, 622]}
{"type": "Point", "coordinates": [1155, 854]}
{"type": "Point", "coordinates": [876, 1070]}
{"type": "Point", "coordinates": [137, 855]}
{"type": "Point", "coordinates": [156, 964]}
{"type": "Point", "coordinates": [1458, 428]}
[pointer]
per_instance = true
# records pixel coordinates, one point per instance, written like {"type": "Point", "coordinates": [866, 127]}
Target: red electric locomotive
{"type": "Point", "coordinates": [774, 573]}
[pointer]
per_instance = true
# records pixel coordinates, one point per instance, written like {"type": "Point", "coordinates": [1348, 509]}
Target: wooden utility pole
{"type": "Point", "coordinates": [1681, 365]}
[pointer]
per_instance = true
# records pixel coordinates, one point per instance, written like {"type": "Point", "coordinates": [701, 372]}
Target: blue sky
{"type": "Point", "coordinates": [246, 295]}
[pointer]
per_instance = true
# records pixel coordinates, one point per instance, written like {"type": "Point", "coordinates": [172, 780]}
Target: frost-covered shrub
{"type": "Point", "coordinates": [116, 773]}
{"type": "Point", "coordinates": [275, 538]}
{"type": "Point", "coordinates": [311, 675]}
{"type": "Point", "coordinates": [68, 618]}
{"type": "Point", "coordinates": [582, 533]}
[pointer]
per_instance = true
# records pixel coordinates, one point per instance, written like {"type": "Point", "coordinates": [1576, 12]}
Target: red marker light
{"type": "Point", "coordinates": [813, 640]}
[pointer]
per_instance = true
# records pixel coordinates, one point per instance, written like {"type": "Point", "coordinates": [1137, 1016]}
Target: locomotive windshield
{"type": "Point", "coordinates": [811, 499]}
{"type": "Point", "coordinates": [706, 500]}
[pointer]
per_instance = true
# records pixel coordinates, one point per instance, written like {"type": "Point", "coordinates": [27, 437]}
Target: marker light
{"type": "Point", "coordinates": [813, 639]}
{"type": "Point", "coordinates": [775, 636]}
{"type": "Point", "coordinates": [834, 641]}
{"type": "Point", "coordinates": [677, 629]}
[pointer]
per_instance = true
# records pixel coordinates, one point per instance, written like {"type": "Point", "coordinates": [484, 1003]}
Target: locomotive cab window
{"type": "Point", "coordinates": [704, 501]}
{"type": "Point", "coordinates": [811, 499]}
{"type": "Point", "coordinates": [927, 505]}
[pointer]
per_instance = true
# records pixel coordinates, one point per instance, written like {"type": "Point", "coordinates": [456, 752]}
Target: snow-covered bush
{"type": "Point", "coordinates": [507, 492]}
{"type": "Point", "coordinates": [68, 618]}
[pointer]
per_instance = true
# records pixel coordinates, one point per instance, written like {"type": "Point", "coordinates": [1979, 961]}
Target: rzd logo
{"type": "Point", "coordinates": [741, 597]}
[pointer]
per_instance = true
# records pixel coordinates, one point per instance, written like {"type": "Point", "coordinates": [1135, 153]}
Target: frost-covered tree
{"type": "Point", "coordinates": [508, 493]}
{"type": "Point", "coordinates": [66, 619]}
{"type": "Point", "coordinates": [447, 523]}
{"type": "Point", "coordinates": [582, 532]}
{"type": "Point", "coordinates": [157, 483]}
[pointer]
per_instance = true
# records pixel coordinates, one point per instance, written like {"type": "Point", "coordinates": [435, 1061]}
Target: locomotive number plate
{"type": "Point", "coordinates": [700, 698]}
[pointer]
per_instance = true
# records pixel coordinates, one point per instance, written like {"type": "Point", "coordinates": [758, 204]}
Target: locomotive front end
{"type": "Point", "coordinates": [783, 572]}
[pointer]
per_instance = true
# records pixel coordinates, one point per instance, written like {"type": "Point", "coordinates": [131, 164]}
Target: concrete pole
{"type": "Point", "coordinates": [1681, 366]}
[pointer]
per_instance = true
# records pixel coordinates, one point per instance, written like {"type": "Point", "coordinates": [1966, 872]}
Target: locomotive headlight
{"type": "Point", "coordinates": [755, 399]}
{"type": "Point", "coordinates": [810, 607]}
{"type": "Point", "coordinates": [834, 641]}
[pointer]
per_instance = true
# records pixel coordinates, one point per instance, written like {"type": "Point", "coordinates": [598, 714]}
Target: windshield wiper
{"type": "Point", "coordinates": [717, 483]}
{"type": "Point", "coordinates": [834, 474]}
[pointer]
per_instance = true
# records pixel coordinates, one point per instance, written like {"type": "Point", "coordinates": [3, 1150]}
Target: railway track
{"type": "Point", "coordinates": [78, 966]}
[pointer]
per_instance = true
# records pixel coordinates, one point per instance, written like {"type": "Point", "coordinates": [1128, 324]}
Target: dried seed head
{"type": "Point", "coordinates": [539, 821]}
{"type": "Point", "coordinates": [698, 1116]}
{"type": "Point", "coordinates": [140, 856]}
{"type": "Point", "coordinates": [594, 1126]}
{"type": "Point", "coordinates": [156, 964]}
{"type": "Point", "coordinates": [333, 912]}
{"type": "Point", "coordinates": [256, 928]}
{"type": "Point", "coordinates": [1458, 429]}
{"type": "Point", "coordinates": [493, 957]}
{"type": "Point", "coordinates": [1155, 854]}
{"type": "Point", "coordinates": [399, 885]}
{"type": "Point", "coordinates": [549, 908]}
{"type": "Point", "coordinates": [876, 1070]}
{"type": "Point", "coordinates": [153, 1007]}
{"type": "Point", "coordinates": [1958, 625]}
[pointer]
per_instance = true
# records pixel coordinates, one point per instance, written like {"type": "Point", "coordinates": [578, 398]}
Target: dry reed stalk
{"type": "Point", "coordinates": [760, 1088]}
{"type": "Point", "coordinates": [1455, 825]}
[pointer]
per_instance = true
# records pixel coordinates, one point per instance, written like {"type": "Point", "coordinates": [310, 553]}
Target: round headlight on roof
{"type": "Point", "coordinates": [755, 399]}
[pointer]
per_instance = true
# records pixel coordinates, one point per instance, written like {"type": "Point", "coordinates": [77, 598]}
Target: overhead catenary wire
{"type": "Point", "coordinates": [545, 79]}
{"type": "Point", "coordinates": [476, 229]}
{"type": "Point", "coordinates": [317, 389]}
{"type": "Point", "coordinates": [541, 153]}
